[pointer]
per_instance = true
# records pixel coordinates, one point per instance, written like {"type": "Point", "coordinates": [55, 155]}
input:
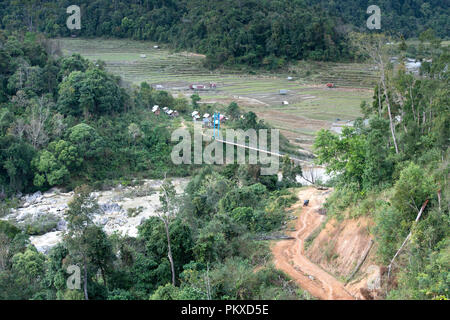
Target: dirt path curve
{"type": "Point", "coordinates": [289, 255]}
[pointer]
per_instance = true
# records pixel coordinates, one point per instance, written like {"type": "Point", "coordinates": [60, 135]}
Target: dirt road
{"type": "Point", "coordinates": [289, 254]}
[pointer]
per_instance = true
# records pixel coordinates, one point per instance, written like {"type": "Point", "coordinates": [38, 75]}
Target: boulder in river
{"type": "Point", "coordinates": [61, 225]}
{"type": "Point", "coordinates": [34, 198]}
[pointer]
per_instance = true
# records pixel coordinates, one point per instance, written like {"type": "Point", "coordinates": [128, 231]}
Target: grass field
{"type": "Point", "coordinates": [311, 107]}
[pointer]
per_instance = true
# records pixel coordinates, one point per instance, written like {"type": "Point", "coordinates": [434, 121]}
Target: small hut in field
{"type": "Point", "coordinates": [156, 110]}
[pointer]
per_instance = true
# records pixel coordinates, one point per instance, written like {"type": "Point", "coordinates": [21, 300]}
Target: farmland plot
{"type": "Point", "coordinates": [311, 106]}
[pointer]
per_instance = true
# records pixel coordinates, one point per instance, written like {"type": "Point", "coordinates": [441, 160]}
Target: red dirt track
{"type": "Point", "coordinates": [289, 255]}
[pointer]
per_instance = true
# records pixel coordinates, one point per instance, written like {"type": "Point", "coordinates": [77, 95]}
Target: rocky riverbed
{"type": "Point", "coordinates": [123, 209]}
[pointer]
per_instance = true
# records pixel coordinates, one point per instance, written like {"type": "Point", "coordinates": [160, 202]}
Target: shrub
{"type": "Point", "coordinates": [41, 225]}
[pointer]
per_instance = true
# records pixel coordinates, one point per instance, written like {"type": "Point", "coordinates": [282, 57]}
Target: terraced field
{"type": "Point", "coordinates": [346, 75]}
{"type": "Point", "coordinates": [311, 106]}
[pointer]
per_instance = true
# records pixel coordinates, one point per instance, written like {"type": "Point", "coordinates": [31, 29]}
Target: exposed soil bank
{"type": "Point", "coordinates": [332, 256]}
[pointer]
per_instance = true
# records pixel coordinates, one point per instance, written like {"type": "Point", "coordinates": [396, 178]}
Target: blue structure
{"type": "Point", "coordinates": [216, 120]}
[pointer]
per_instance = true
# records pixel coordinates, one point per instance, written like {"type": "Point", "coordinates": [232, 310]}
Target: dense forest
{"type": "Point", "coordinates": [66, 120]}
{"type": "Point", "coordinates": [243, 32]}
{"type": "Point", "coordinates": [258, 33]}
{"type": "Point", "coordinates": [402, 17]}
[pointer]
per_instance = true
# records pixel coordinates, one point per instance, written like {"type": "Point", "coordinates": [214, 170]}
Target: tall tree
{"type": "Point", "coordinates": [79, 222]}
{"type": "Point", "coordinates": [167, 212]}
{"type": "Point", "coordinates": [376, 48]}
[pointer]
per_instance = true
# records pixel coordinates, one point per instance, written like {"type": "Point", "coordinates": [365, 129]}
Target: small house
{"type": "Point", "coordinates": [290, 78]}
{"type": "Point", "coordinates": [195, 116]}
{"type": "Point", "coordinates": [156, 110]}
{"type": "Point", "coordinates": [283, 91]}
{"type": "Point", "coordinates": [155, 47]}
{"type": "Point", "coordinates": [159, 87]}
{"type": "Point", "coordinates": [197, 87]}
{"type": "Point", "coordinates": [143, 56]}
{"type": "Point", "coordinates": [285, 103]}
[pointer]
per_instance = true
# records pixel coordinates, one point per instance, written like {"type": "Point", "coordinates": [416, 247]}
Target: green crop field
{"type": "Point", "coordinates": [311, 106]}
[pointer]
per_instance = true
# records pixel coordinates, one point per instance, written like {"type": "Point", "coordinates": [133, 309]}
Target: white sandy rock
{"type": "Point", "coordinates": [113, 217]}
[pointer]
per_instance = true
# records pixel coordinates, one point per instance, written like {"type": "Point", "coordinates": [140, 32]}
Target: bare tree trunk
{"type": "Point", "coordinates": [439, 200]}
{"type": "Point", "coordinates": [172, 266]}
{"type": "Point", "coordinates": [407, 238]}
{"type": "Point", "coordinates": [169, 211]}
{"type": "Point", "coordinates": [391, 121]}
{"type": "Point", "coordinates": [36, 128]}
{"type": "Point", "coordinates": [208, 285]}
{"type": "Point", "coordinates": [379, 100]}
{"type": "Point", "coordinates": [86, 297]}
{"type": "Point", "coordinates": [312, 179]}
{"type": "Point", "coordinates": [412, 103]}
{"type": "Point", "coordinates": [423, 121]}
